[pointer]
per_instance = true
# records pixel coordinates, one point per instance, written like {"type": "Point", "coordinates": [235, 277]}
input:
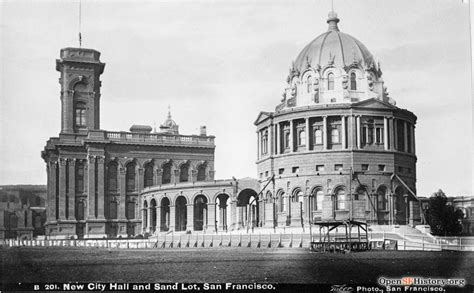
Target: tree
{"type": "Point", "coordinates": [443, 219]}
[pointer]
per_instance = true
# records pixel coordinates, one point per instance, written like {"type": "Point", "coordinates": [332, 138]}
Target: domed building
{"type": "Point", "coordinates": [337, 147]}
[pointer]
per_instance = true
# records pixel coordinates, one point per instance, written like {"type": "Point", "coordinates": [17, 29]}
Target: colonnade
{"type": "Point", "coordinates": [271, 142]}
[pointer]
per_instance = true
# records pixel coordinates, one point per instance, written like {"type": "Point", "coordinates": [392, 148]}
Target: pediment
{"type": "Point", "coordinates": [374, 103]}
{"type": "Point", "coordinates": [262, 117]}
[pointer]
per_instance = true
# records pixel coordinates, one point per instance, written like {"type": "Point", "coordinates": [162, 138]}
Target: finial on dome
{"type": "Point", "coordinates": [169, 112]}
{"type": "Point", "coordinates": [332, 21]}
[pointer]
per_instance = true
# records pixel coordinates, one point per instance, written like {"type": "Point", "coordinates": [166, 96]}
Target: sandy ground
{"type": "Point", "coordinates": [44, 264]}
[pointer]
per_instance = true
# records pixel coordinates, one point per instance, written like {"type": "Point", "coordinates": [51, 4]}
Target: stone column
{"type": "Point", "coordinates": [91, 188]}
{"type": "Point", "coordinates": [100, 187]}
{"type": "Point", "coordinates": [149, 219]}
{"type": "Point", "coordinates": [270, 140]}
{"type": "Point", "coordinates": [53, 168]}
{"type": "Point", "coordinates": [141, 182]}
{"type": "Point", "coordinates": [62, 188]}
{"type": "Point", "coordinates": [172, 217]}
{"type": "Point", "coordinates": [358, 138]}
{"type": "Point", "coordinates": [351, 132]}
{"type": "Point", "coordinates": [405, 136]}
{"type": "Point", "coordinates": [259, 145]}
{"type": "Point", "coordinates": [395, 135]}
{"type": "Point", "coordinates": [325, 132]}
{"type": "Point", "coordinates": [158, 219]}
{"type": "Point", "coordinates": [308, 136]}
{"type": "Point", "coordinates": [343, 129]}
{"type": "Point", "coordinates": [211, 217]}
{"type": "Point", "coordinates": [240, 221]}
{"type": "Point", "coordinates": [72, 189]}
{"type": "Point", "coordinates": [122, 191]}
{"type": "Point", "coordinates": [190, 216]}
{"type": "Point", "coordinates": [385, 133]}
{"type": "Point", "coordinates": [278, 139]}
{"type": "Point", "coordinates": [292, 136]}
{"type": "Point", "coordinates": [144, 219]}
{"type": "Point", "coordinates": [159, 176]}
{"type": "Point", "coordinates": [176, 176]}
{"type": "Point", "coordinates": [412, 129]}
{"type": "Point", "coordinates": [390, 135]}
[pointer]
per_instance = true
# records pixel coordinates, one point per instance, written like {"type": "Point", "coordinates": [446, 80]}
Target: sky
{"type": "Point", "coordinates": [219, 63]}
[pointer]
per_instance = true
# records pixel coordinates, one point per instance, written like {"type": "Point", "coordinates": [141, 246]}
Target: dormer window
{"type": "Point", "coordinates": [308, 84]}
{"type": "Point", "coordinates": [330, 81]}
{"type": "Point", "coordinates": [353, 82]}
{"type": "Point", "coordinates": [80, 115]}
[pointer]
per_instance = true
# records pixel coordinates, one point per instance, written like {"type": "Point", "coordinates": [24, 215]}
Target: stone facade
{"type": "Point", "coordinates": [220, 205]}
{"type": "Point", "coordinates": [95, 176]}
{"type": "Point", "coordinates": [337, 147]}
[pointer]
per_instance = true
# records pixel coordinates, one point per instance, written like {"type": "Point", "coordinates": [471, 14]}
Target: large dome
{"type": "Point", "coordinates": [333, 47]}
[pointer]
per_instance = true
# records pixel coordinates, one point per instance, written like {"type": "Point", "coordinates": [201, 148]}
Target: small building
{"type": "Point", "coordinates": [22, 211]}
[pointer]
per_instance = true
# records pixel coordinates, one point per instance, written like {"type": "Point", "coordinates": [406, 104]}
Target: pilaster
{"type": "Point", "coordinates": [385, 133]}
{"type": "Point", "coordinates": [278, 139]}
{"type": "Point", "coordinates": [343, 130]}
{"type": "Point", "coordinates": [211, 217]}
{"type": "Point", "coordinates": [91, 188]}
{"type": "Point", "coordinates": [72, 189]}
{"type": "Point", "coordinates": [190, 216]}
{"type": "Point", "coordinates": [172, 217]}
{"type": "Point", "coordinates": [122, 192]}
{"type": "Point", "coordinates": [308, 137]}
{"type": "Point", "coordinates": [62, 188]}
{"type": "Point", "coordinates": [358, 136]}
{"type": "Point", "coordinates": [325, 133]}
{"type": "Point", "coordinates": [100, 187]}
{"type": "Point", "coordinates": [292, 137]}
{"type": "Point", "coordinates": [405, 136]}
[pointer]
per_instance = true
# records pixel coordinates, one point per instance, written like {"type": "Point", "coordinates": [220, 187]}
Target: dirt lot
{"type": "Point", "coordinates": [44, 264]}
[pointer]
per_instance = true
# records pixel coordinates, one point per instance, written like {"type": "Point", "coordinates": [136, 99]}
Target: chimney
{"type": "Point", "coordinates": [202, 131]}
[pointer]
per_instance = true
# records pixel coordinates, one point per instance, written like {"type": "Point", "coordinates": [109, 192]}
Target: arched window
{"type": "Point", "coordinates": [318, 136]}
{"type": "Point", "coordinates": [148, 176]}
{"type": "Point", "coordinates": [201, 175]}
{"type": "Point", "coordinates": [302, 137]}
{"type": "Point", "coordinates": [184, 173]}
{"type": "Point", "coordinates": [330, 81]}
{"type": "Point", "coordinates": [80, 112]}
{"type": "Point", "coordinates": [340, 199]}
{"type": "Point", "coordinates": [308, 83]}
{"type": "Point", "coordinates": [112, 177]}
{"type": "Point", "coordinates": [166, 173]}
{"type": "Point", "coordinates": [335, 135]}
{"type": "Point", "coordinates": [130, 177]}
{"type": "Point", "coordinates": [353, 81]}
{"type": "Point", "coordinates": [382, 198]}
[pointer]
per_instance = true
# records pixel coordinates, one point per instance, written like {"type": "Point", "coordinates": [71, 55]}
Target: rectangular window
{"type": "Point", "coordinates": [287, 139]}
{"type": "Point", "coordinates": [409, 170]}
{"type": "Point", "coordinates": [381, 168]}
{"type": "Point", "coordinates": [318, 136]}
{"type": "Point", "coordinates": [364, 135]}
{"type": "Point", "coordinates": [295, 169]}
{"type": "Point", "coordinates": [261, 175]}
{"type": "Point", "coordinates": [338, 167]}
{"type": "Point", "coordinates": [280, 171]}
{"type": "Point", "coordinates": [365, 167]}
{"type": "Point", "coordinates": [319, 168]}
{"type": "Point", "coordinates": [266, 173]}
{"type": "Point", "coordinates": [379, 135]}
{"type": "Point", "coordinates": [400, 169]}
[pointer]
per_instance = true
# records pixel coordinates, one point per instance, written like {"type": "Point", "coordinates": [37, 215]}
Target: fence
{"type": "Point", "coordinates": [380, 240]}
